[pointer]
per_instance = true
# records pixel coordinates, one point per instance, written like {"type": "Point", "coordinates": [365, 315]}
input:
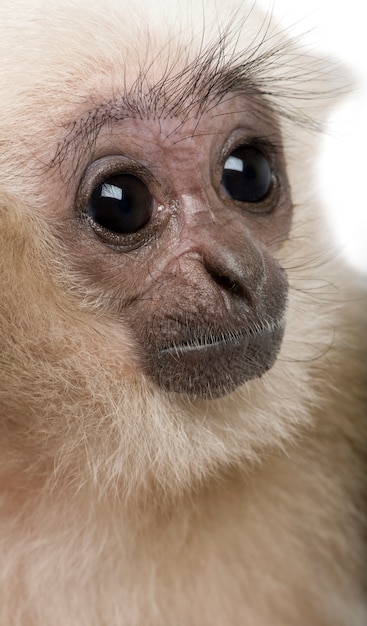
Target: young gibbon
{"type": "Point", "coordinates": [183, 427]}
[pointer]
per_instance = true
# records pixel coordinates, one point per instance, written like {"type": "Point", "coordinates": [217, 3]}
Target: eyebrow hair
{"type": "Point", "coordinates": [207, 80]}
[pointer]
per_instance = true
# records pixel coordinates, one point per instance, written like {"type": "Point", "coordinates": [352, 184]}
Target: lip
{"type": "Point", "coordinates": [213, 364]}
{"type": "Point", "coordinates": [206, 343]}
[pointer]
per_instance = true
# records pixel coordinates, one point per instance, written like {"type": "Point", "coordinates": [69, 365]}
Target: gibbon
{"type": "Point", "coordinates": [182, 390]}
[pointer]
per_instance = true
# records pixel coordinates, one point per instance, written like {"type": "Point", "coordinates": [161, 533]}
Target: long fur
{"type": "Point", "coordinates": [120, 504]}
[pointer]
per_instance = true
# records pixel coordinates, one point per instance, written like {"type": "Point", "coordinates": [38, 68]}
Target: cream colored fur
{"type": "Point", "coordinates": [121, 505]}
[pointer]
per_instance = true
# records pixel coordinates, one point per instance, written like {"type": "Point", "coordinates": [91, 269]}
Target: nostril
{"type": "Point", "coordinates": [238, 273]}
{"type": "Point", "coordinates": [230, 279]}
{"type": "Point", "coordinates": [228, 284]}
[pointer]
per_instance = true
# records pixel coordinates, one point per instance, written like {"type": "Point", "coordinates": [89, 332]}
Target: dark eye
{"type": "Point", "coordinates": [247, 176]}
{"type": "Point", "coordinates": [122, 204]}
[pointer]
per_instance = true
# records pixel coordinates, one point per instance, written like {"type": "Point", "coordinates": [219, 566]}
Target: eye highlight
{"type": "Point", "coordinates": [247, 175]}
{"type": "Point", "coordinates": [121, 204]}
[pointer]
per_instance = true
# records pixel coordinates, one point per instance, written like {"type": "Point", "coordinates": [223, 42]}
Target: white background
{"type": "Point", "coordinates": [339, 28]}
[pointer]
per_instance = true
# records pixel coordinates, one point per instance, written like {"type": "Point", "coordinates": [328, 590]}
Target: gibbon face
{"type": "Point", "coordinates": [181, 218]}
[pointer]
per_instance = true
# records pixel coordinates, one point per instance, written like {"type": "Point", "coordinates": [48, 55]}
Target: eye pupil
{"type": "Point", "coordinates": [122, 204]}
{"type": "Point", "coordinates": [247, 176]}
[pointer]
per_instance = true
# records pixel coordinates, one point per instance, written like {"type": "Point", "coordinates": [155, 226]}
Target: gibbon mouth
{"type": "Point", "coordinates": [215, 365]}
{"type": "Point", "coordinates": [212, 343]}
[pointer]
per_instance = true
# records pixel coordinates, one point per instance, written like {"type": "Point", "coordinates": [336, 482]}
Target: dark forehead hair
{"type": "Point", "coordinates": [268, 70]}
